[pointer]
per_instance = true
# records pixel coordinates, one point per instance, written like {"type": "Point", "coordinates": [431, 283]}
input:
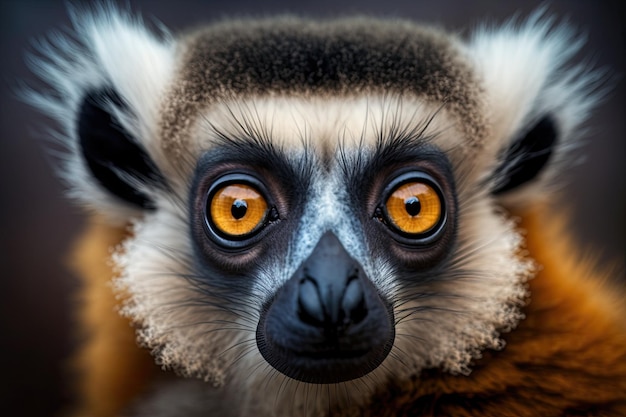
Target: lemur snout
{"type": "Point", "coordinates": [328, 323]}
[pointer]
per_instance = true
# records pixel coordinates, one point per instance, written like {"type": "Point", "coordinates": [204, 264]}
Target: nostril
{"type": "Point", "coordinates": [353, 302]}
{"type": "Point", "coordinates": [349, 306]}
{"type": "Point", "coordinates": [310, 306]}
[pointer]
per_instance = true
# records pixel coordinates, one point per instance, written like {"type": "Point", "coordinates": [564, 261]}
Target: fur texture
{"type": "Point", "coordinates": [138, 68]}
{"type": "Point", "coordinates": [567, 357]}
{"type": "Point", "coordinates": [326, 113]}
{"type": "Point", "coordinates": [486, 293]}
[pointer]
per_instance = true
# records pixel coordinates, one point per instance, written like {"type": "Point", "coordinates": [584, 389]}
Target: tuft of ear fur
{"type": "Point", "coordinates": [106, 79]}
{"type": "Point", "coordinates": [537, 103]}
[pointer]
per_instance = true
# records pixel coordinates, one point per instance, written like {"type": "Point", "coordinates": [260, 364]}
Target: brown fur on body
{"type": "Point", "coordinates": [567, 357]}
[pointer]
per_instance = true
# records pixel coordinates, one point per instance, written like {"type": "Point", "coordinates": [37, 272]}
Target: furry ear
{"type": "Point", "coordinates": [115, 160]}
{"type": "Point", "coordinates": [536, 103]}
{"type": "Point", "coordinates": [107, 78]}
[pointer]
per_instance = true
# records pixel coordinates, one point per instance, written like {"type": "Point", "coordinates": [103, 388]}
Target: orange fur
{"type": "Point", "coordinates": [113, 370]}
{"type": "Point", "coordinates": [568, 357]}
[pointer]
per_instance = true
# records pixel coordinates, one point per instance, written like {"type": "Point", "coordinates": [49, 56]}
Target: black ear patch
{"type": "Point", "coordinates": [527, 156]}
{"type": "Point", "coordinates": [111, 153]}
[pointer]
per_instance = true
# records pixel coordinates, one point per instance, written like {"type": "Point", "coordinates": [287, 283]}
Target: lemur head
{"type": "Point", "coordinates": [318, 198]}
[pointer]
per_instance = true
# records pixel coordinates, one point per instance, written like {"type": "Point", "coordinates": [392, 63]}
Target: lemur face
{"type": "Point", "coordinates": [315, 202]}
{"type": "Point", "coordinates": [324, 249]}
{"type": "Point", "coordinates": [315, 232]}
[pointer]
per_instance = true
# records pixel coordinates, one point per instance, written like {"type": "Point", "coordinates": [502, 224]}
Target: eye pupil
{"type": "Point", "coordinates": [239, 209]}
{"type": "Point", "coordinates": [412, 206]}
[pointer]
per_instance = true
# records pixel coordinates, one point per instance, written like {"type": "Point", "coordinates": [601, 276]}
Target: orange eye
{"type": "Point", "coordinates": [414, 208]}
{"type": "Point", "coordinates": [237, 209]}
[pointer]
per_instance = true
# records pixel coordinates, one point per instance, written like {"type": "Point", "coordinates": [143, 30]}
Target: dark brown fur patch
{"type": "Point", "coordinates": [290, 56]}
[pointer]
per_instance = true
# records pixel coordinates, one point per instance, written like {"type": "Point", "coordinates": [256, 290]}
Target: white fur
{"type": "Point", "coordinates": [527, 72]}
{"type": "Point", "coordinates": [106, 47]}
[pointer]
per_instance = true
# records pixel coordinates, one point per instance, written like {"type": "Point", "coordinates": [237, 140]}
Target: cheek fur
{"type": "Point", "coordinates": [462, 309]}
{"type": "Point", "coordinates": [171, 305]}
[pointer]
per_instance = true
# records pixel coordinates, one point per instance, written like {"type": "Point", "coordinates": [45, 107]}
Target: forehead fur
{"type": "Point", "coordinates": [347, 57]}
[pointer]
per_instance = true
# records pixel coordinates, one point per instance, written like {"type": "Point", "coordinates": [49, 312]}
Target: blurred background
{"type": "Point", "coordinates": [38, 226]}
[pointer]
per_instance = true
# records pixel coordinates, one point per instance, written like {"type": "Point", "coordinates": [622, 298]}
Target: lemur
{"type": "Point", "coordinates": [340, 217]}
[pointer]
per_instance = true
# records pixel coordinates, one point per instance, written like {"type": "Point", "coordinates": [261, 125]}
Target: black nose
{"type": "Point", "coordinates": [328, 323]}
{"type": "Point", "coordinates": [330, 295]}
